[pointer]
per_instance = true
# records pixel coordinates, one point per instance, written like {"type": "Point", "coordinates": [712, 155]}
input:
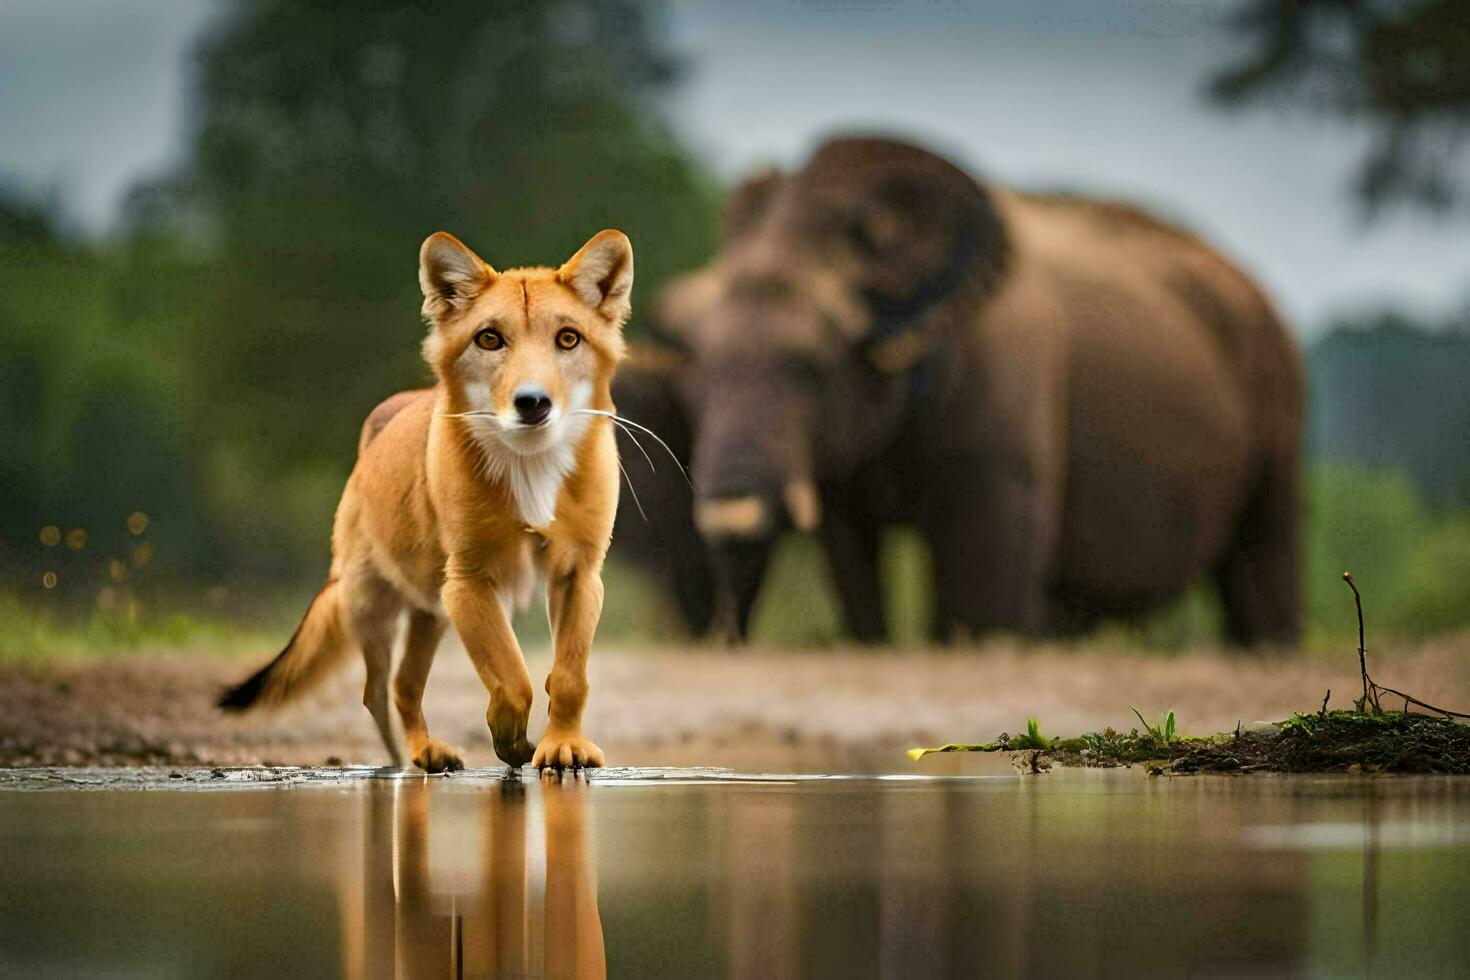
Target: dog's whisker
{"type": "Point", "coordinates": [476, 415]}
{"type": "Point", "coordinates": [629, 433]}
{"type": "Point", "coordinates": [619, 422]}
{"type": "Point", "coordinates": [643, 428]}
{"type": "Point", "coordinates": [636, 502]}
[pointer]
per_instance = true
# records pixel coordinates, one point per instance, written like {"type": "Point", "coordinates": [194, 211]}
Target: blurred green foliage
{"type": "Point", "coordinates": [1412, 562]}
{"type": "Point", "coordinates": [212, 363]}
{"type": "Point", "coordinates": [35, 634]}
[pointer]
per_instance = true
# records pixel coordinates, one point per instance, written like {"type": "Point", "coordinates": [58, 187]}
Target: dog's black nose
{"type": "Point", "coordinates": [533, 405]}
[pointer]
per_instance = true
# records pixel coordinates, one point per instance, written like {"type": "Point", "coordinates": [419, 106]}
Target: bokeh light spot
{"type": "Point", "coordinates": [50, 535]}
{"type": "Point", "coordinates": [76, 538]}
{"type": "Point", "coordinates": [137, 522]}
{"type": "Point", "coordinates": [116, 570]}
{"type": "Point", "coordinates": [49, 580]}
{"type": "Point", "coordinates": [143, 554]}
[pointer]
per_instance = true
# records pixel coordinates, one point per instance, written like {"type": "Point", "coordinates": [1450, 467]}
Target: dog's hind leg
{"type": "Point", "coordinates": [373, 607]}
{"type": "Point", "coordinates": [424, 633]}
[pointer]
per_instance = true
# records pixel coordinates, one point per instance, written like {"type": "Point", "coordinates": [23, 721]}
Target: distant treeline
{"type": "Point", "coordinates": [1390, 392]}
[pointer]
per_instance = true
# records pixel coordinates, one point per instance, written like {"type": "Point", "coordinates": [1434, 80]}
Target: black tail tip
{"type": "Point", "coordinates": [245, 694]}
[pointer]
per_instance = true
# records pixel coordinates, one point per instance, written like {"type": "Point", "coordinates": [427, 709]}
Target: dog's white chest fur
{"type": "Point", "coordinates": [535, 478]}
{"type": "Point", "coordinates": [535, 481]}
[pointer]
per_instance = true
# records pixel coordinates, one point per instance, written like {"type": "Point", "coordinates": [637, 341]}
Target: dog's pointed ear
{"type": "Point", "coordinates": [450, 275]}
{"type": "Point", "coordinates": [601, 274]}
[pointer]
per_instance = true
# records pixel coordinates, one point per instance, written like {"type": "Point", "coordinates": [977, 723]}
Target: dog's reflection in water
{"type": "Point", "coordinates": [481, 882]}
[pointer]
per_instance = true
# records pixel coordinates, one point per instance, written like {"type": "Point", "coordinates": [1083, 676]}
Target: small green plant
{"type": "Point", "coordinates": [1033, 738]}
{"type": "Point", "coordinates": [1162, 732]}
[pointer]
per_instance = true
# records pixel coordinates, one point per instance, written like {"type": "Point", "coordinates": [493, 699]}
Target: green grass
{"type": "Point", "coordinates": [33, 634]}
{"type": "Point", "coordinates": [1412, 562]}
{"type": "Point", "coordinates": [1161, 731]}
{"type": "Point", "coordinates": [1104, 748]}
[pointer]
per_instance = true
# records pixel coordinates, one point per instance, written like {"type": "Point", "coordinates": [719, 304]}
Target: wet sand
{"type": "Point", "coordinates": [838, 710]}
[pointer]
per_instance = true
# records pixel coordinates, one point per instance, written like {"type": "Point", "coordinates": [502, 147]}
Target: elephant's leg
{"type": "Point", "coordinates": [1259, 575]}
{"type": "Point", "coordinates": [1069, 620]}
{"type": "Point", "coordinates": [852, 553]}
{"type": "Point", "coordinates": [694, 588]}
{"type": "Point", "coordinates": [990, 547]}
{"type": "Point", "coordinates": [740, 568]}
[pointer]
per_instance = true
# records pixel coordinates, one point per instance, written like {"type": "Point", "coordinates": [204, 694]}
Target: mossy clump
{"type": "Point", "coordinates": [1105, 749]}
{"type": "Point", "coordinates": [1327, 741]}
{"type": "Point", "coordinates": [1337, 741]}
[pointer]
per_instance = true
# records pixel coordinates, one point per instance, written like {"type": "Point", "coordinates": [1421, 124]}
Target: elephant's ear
{"type": "Point", "coordinates": [749, 202]}
{"type": "Point", "coordinates": [918, 226]}
{"type": "Point", "coordinates": [932, 228]}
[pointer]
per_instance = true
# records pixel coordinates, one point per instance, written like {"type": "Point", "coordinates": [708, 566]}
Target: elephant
{"type": "Point", "coordinates": [1081, 408]}
{"type": "Point", "coordinates": [655, 527]}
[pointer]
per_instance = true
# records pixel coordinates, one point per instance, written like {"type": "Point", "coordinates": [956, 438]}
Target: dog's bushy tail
{"type": "Point", "coordinates": [317, 647]}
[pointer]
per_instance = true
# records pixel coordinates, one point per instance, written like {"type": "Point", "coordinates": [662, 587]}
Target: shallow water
{"type": "Point", "coordinates": [693, 874]}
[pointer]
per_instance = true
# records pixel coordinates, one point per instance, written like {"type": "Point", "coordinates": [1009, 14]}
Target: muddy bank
{"type": "Point", "coordinates": [1337, 741]}
{"type": "Point", "coordinates": [1354, 741]}
{"type": "Point", "coordinates": [779, 710]}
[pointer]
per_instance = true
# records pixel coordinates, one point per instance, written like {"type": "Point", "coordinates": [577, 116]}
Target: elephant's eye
{"type": "Point", "coordinates": [489, 340]}
{"type": "Point", "coordinates": [567, 338]}
{"type": "Point", "coordinates": [857, 231]}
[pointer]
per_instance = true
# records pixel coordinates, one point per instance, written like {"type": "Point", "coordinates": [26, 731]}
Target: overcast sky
{"type": "Point", "coordinates": [1088, 94]}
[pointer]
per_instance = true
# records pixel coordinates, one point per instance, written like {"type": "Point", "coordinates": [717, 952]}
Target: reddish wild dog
{"type": "Point", "coordinates": [467, 495]}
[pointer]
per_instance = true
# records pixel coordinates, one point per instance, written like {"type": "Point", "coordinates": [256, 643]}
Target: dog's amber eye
{"type": "Point", "coordinates": [489, 340]}
{"type": "Point", "coordinates": [568, 338]}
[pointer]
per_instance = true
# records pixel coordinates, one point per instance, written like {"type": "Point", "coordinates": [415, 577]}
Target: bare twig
{"type": "Point", "coordinates": [1372, 690]}
{"type": "Point", "coordinates": [1410, 699]}
{"type": "Point", "coordinates": [1362, 649]}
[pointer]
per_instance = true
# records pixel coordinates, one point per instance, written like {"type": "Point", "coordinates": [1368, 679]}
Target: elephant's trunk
{"type": "Point", "coordinates": [752, 480]}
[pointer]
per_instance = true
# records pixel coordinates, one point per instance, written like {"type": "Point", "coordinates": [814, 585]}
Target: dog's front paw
{"type": "Point", "coordinates": [507, 719]}
{"type": "Point", "coordinates": [438, 757]}
{"type": "Point", "coordinates": [566, 749]}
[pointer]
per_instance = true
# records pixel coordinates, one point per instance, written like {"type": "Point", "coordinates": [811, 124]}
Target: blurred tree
{"type": "Point", "coordinates": [89, 431]}
{"type": "Point", "coordinates": [330, 140]}
{"type": "Point", "coordinates": [1387, 388]}
{"type": "Point", "coordinates": [1402, 66]}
